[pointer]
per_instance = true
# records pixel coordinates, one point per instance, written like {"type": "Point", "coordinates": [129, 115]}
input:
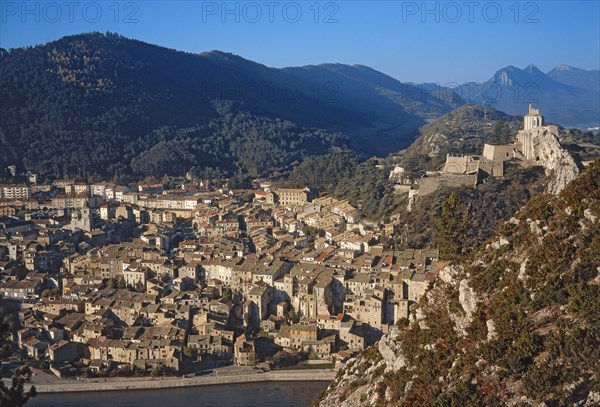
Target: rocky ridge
{"type": "Point", "coordinates": [517, 322]}
{"type": "Point", "coordinates": [558, 164]}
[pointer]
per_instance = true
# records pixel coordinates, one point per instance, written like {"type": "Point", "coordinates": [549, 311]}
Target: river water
{"type": "Point", "coordinates": [271, 394]}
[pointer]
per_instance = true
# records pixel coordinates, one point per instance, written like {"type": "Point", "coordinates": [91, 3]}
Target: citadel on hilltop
{"type": "Point", "coordinates": [533, 128]}
{"type": "Point", "coordinates": [536, 144]}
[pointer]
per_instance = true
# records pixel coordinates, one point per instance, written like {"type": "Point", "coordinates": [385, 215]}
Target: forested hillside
{"type": "Point", "coordinates": [108, 106]}
{"type": "Point", "coordinates": [235, 142]}
{"type": "Point", "coordinates": [379, 96]}
{"type": "Point", "coordinates": [365, 184]}
{"type": "Point", "coordinates": [462, 131]}
{"type": "Point", "coordinates": [103, 105]}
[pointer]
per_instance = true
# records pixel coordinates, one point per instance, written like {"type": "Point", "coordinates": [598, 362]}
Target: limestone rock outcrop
{"type": "Point", "coordinates": [515, 323]}
{"type": "Point", "coordinates": [557, 162]}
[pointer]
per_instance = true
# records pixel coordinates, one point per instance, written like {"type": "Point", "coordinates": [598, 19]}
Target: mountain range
{"type": "Point", "coordinates": [105, 105]}
{"type": "Point", "coordinates": [96, 102]}
{"type": "Point", "coordinates": [567, 96]}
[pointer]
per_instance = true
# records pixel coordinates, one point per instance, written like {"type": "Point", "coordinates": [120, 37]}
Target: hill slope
{"type": "Point", "coordinates": [462, 131]}
{"type": "Point", "coordinates": [379, 96]}
{"type": "Point", "coordinates": [93, 101]}
{"type": "Point", "coordinates": [515, 323]}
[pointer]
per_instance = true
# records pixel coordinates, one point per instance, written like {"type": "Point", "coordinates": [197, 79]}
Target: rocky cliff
{"type": "Point", "coordinates": [542, 145]}
{"type": "Point", "coordinates": [516, 322]}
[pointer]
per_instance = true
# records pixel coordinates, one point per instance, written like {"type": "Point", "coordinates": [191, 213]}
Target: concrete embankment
{"type": "Point", "coordinates": [162, 383]}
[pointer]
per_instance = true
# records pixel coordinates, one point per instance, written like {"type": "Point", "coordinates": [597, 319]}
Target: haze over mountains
{"type": "Point", "coordinates": [567, 96]}
{"type": "Point", "coordinates": [576, 77]}
{"type": "Point", "coordinates": [124, 102]}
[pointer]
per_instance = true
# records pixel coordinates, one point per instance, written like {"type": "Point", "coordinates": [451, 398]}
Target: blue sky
{"type": "Point", "coordinates": [444, 42]}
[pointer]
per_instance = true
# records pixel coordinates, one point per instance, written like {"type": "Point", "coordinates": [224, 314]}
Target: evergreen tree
{"type": "Point", "coordinates": [15, 395]}
{"type": "Point", "coordinates": [451, 222]}
{"type": "Point", "coordinates": [501, 134]}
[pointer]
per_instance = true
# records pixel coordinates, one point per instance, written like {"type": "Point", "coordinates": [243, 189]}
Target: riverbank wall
{"type": "Point", "coordinates": [163, 383]}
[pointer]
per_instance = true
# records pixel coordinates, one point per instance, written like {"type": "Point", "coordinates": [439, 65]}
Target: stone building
{"type": "Point", "coordinates": [461, 165]}
{"type": "Point", "coordinates": [288, 196]}
{"type": "Point", "coordinates": [10, 191]}
{"type": "Point", "coordinates": [500, 152]}
{"type": "Point", "coordinates": [81, 219]}
{"type": "Point", "coordinates": [540, 145]}
{"type": "Point", "coordinates": [533, 129]}
{"type": "Point", "coordinates": [533, 119]}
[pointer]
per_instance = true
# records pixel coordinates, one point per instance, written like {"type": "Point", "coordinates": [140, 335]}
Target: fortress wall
{"type": "Point", "coordinates": [429, 185]}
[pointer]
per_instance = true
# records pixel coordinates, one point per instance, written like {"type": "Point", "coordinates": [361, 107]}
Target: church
{"type": "Point", "coordinates": [533, 129]}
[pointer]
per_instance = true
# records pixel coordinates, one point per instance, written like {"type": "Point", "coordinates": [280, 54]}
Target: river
{"type": "Point", "coordinates": [270, 394]}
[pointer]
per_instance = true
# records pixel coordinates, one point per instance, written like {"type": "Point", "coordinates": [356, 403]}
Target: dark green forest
{"type": "Point", "coordinates": [365, 184]}
{"type": "Point", "coordinates": [102, 105]}
{"type": "Point", "coordinates": [235, 143]}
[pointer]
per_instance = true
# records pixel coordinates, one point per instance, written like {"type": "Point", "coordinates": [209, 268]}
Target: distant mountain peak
{"type": "Point", "coordinates": [505, 75]}
{"type": "Point", "coordinates": [511, 89]}
{"type": "Point", "coordinates": [509, 68]}
{"type": "Point", "coordinates": [531, 68]}
{"type": "Point", "coordinates": [564, 67]}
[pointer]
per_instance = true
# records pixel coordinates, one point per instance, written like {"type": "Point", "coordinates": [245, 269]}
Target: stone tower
{"type": "Point", "coordinates": [533, 128]}
{"type": "Point", "coordinates": [533, 119]}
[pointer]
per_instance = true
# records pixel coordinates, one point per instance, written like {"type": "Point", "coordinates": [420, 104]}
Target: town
{"type": "Point", "coordinates": [113, 278]}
